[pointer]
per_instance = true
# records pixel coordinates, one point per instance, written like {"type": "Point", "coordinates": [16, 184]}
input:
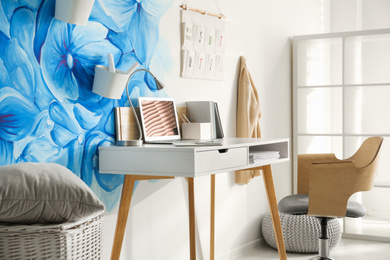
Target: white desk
{"type": "Point", "coordinates": [167, 161]}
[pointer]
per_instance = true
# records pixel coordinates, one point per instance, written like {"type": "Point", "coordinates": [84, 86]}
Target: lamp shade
{"type": "Point", "coordinates": [159, 84]}
{"type": "Point", "coordinates": [73, 11]}
{"type": "Point", "coordinates": [108, 84]}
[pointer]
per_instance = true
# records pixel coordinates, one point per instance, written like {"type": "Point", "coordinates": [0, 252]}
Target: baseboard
{"type": "Point", "coordinates": [241, 250]}
{"type": "Point", "coordinates": [366, 237]}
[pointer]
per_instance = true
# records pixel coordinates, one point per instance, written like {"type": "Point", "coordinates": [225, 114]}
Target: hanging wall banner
{"type": "Point", "coordinates": [203, 46]}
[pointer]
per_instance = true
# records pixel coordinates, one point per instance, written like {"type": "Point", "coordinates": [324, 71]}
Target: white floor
{"type": "Point", "coordinates": [348, 249]}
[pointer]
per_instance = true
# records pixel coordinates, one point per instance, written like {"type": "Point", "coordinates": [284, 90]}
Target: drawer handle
{"type": "Point", "coordinates": [223, 150]}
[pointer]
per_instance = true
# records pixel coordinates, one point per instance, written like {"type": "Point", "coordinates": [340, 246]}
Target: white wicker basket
{"type": "Point", "coordinates": [79, 240]}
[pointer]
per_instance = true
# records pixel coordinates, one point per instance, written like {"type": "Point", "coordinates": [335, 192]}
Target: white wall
{"type": "Point", "coordinates": [158, 220]}
{"type": "Point", "coordinates": [350, 15]}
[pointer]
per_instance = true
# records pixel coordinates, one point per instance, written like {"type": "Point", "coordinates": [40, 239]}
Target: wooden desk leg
{"type": "Point", "coordinates": [273, 206]}
{"type": "Point", "coordinates": [212, 216]}
{"type": "Point", "coordinates": [127, 192]}
{"type": "Point", "coordinates": [191, 202]}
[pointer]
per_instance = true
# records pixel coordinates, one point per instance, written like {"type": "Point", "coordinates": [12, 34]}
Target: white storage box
{"type": "Point", "coordinates": [196, 130]}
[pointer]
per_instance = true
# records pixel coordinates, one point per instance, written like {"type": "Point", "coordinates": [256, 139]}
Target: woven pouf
{"type": "Point", "coordinates": [300, 232]}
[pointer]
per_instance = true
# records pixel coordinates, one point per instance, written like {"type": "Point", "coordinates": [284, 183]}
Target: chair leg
{"type": "Point", "coordinates": [323, 241]}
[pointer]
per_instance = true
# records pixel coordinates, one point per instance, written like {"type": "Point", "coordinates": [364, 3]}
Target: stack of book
{"type": "Point", "coordinates": [258, 156]}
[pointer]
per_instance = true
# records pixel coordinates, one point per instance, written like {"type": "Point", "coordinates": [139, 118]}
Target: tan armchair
{"type": "Point", "coordinates": [326, 183]}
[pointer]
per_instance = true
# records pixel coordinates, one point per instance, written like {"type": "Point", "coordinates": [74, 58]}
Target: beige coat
{"type": "Point", "coordinates": [248, 115]}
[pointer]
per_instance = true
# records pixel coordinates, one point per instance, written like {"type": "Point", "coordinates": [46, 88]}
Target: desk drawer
{"type": "Point", "coordinates": [220, 159]}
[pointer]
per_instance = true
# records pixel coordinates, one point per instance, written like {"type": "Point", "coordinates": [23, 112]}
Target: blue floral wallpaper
{"type": "Point", "coordinates": [47, 110]}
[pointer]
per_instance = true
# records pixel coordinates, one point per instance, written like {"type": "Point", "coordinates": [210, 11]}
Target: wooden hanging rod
{"type": "Point", "coordinates": [185, 7]}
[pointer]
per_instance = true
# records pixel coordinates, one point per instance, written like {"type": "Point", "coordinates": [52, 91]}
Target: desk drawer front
{"type": "Point", "coordinates": [221, 159]}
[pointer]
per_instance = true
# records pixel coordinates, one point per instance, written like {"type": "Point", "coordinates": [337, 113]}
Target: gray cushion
{"type": "Point", "coordinates": [298, 204]}
{"type": "Point", "coordinates": [44, 193]}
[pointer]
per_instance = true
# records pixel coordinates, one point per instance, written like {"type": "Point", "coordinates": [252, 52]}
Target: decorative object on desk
{"type": "Point", "coordinates": [218, 122]}
{"type": "Point", "coordinates": [159, 119]}
{"type": "Point", "coordinates": [73, 11]}
{"type": "Point", "coordinates": [196, 130]}
{"type": "Point", "coordinates": [300, 232]}
{"type": "Point", "coordinates": [125, 124]}
{"type": "Point", "coordinates": [206, 112]}
{"type": "Point", "coordinates": [183, 115]}
{"type": "Point", "coordinates": [203, 43]}
{"type": "Point", "coordinates": [111, 84]}
{"type": "Point", "coordinates": [248, 115]}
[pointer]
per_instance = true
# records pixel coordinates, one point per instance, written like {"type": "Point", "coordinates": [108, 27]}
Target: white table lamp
{"type": "Point", "coordinates": [73, 11]}
{"type": "Point", "coordinates": [111, 85]}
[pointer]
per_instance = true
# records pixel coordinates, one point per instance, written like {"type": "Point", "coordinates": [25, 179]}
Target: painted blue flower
{"type": "Point", "coordinates": [123, 11]}
{"type": "Point", "coordinates": [17, 115]}
{"type": "Point", "coordinates": [4, 40]}
{"type": "Point", "coordinates": [4, 22]}
{"type": "Point", "coordinates": [93, 115]}
{"type": "Point", "coordinates": [69, 56]}
{"type": "Point", "coordinates": [43, 21]}
{"type": "Point", "coordinates": [4, 77]}
{"type": "Point", "coordinates": [7, 9]}
{"type": "Point", "coordinates": [6, 151]}
{"type": "Point", "coordinates": [108, 182]}
{"type": "Point", "coordinates": [69, 136]}
{"type": "Point", "coordinates": [106, 186]}
{"type": "Point", "coordinates": [99, 14]}
{"type": "Point", "coordinates": [47, 110]}
{"type": "Point", "coordinates": [139, 21]}
{"type": "Point", "coordinates": [28, 74]}
{"type": "Point", "coordinates": [10, 6]}
{"type": "Point", "coordinates": [20, 69]}
{"type": "Point", "coordinates": [70, 156]}
{"type": "Point", "coordinates": [38, 150]}
{"type": "Point", "coordinates": [38, 147]}
{"type": "Point", "coordinates": [65, 129]}
{"type": "Point", "coordinates": [22, 25]}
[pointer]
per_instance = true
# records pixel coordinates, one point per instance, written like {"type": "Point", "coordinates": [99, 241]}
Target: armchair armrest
{"type": "Point", "coordinates": [331, 185]}
{"type": "Point", "coordinates": [304, 163]}
{"type": "Point", "coordinates": [334, 162]}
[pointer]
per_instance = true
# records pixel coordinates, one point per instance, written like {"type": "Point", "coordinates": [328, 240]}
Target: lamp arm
{"type": "Point", "coordinates": [140, 70]}
{"type": "Point", "coordinates": [131, 104]}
